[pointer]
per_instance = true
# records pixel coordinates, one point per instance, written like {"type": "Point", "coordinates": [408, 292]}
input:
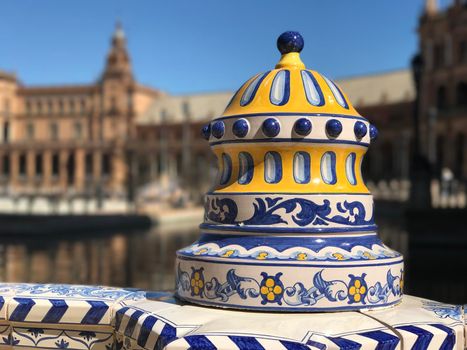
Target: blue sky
{"type": "Point", "coordinates": [209, 45]}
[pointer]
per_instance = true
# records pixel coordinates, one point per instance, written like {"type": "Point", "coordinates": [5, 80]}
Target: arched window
{"type": "Point", "coordinates": [6, 165]}
{"type": "Point", "coordinates": [461, 94]}
{"type": "Point", "coordinates": [28, 107]}
{"type": "Point", "coordinates": [55, 164]}
{"type": "Point", "coordinates": [246, 168]}
{"type": "Point", "coordinates": [30, 131]}
{"type": "Point", "coordinates": [54, 131]}
{"type": "Point", "coordinates": [388, 160]}
{"type": "Point", "coordinates": [441, 98]}
{"type": "Point", "coordinates": [226, 169]}
{"type": "Point", "coordinates": [22, 164]}
{"type": "Point", "coordinates": [328, 168]}
{"type": "Point", "coordinates": [272, 167]}
{"type": "Point", "coordinates": [460, 156]}
{"type": "Point", "coordinates": [462, 54]}
{"type": "Point", "coordinates": [350, 168]}
{"type": "Point", "coordinates": [71, 103]}
{"type": "Point", "coordinates": [301, 167]}
{"type": "Point", "coordinates": [38, 165]}
{"type": "Point", "coordinates": [89, 164]}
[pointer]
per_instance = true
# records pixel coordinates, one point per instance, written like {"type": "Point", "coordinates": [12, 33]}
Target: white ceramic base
{"type": "Point", "coordinates": [296, 286]}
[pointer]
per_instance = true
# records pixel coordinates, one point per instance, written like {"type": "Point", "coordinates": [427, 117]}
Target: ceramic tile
{"type": "Point", "coordinates": [424, 322]}
{"type": "Point", "coordinates": [64, 304]}
{"type": "Point", "coordinates": [58, 338]}
{"type": "Point", "coordinates": [153, 324]}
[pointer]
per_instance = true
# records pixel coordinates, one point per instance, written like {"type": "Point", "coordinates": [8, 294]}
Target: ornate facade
{"type": "Point", "coordinates": [443, 90]}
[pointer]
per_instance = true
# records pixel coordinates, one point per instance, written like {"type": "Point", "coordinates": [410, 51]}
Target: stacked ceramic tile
{"type": "Point", "coordinates": [416, 323]}
{"type": "Point", "coordinates": [45, 316]}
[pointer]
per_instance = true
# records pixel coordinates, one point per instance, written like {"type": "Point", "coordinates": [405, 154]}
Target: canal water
{"type": "Point", "coordinates": [145, 260]}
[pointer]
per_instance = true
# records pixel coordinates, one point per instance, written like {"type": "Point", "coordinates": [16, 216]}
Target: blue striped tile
{"type": "Point", "coordinates": [450, 340]}
{"type": "Point", "coordinates": [345, 344]}
{"type": "Point", "coordinates": [168, 334]}
{"type": "Point", "coordinates": [199, 342]}
{"type": "Point", "coordinates": [146, 328]}
{"type": "Point", "coordinates": [130, 327]}
{"type": "Point", "coordinates": [423, 337]}
{"type": "Point", "coordinates": [95, 314]}
{"type": "Point", "coordinates": [22, 310]}
{"type": "Point", "coordinates": [119, 317]}
{"type": "Point", "coordinates": [316, 344]}
{"type": "Point", "coordinates": [290, 345]}
{"type": "Point", "coordinates": [246, 343]}
{"type": "Point", "coordinates": [56, 312]}
{"type": "Point", "coordinates": [385, 340]}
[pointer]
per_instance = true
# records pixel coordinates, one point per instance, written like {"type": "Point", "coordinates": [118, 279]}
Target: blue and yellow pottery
{"type": "Point", "coordinates": [289, 223]}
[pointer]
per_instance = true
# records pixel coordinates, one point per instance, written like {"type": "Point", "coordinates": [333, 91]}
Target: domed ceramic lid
{"type": "Point", "coordinates": [289, 223]}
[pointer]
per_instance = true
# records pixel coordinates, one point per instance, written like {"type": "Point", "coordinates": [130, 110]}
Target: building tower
{"type": "Point", "coordinates": [114, 121]}
{"type": "Point", "coordinates": [289, 223]}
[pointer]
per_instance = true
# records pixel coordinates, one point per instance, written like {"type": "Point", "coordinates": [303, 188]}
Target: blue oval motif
{"type": "Point", "coordinates": [313, 92]}
{"type": "Point", "coordinates": [280, 89]}
{"type": "Point", "coordinates": [250, 91]}
{"type": "Point", "coordinates": [337, 93]}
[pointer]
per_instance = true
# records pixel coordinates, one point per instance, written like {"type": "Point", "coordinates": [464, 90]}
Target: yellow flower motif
{"type": "Point", "coordinates": [270, 289]}
{"type": "Point", "coordinates": [201, 251]}
{"type": "Point", "coordinates": [302, 256]}
{"type": "Point", "coordinates": [338, 256]}
{"type": "Point", "coordinates": [357, 291]}
{"type": "Point", "coordinates": [262, 256]}
{"type": "Point", "coordinates": [369, 256]}
{"type": "Point", "coordinates": [228, 253]}
{"type": "Point", "coordinates": [197, 283]}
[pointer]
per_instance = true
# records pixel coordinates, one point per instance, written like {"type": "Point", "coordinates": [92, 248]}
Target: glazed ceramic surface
{"type": "Point", "coordinates": [289, 224]}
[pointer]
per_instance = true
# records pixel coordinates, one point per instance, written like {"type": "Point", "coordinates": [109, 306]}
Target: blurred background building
{"type": "Point", "coordinates": [115, 142]}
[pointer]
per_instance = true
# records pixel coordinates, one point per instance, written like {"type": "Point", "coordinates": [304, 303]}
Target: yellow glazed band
{"type": "Point", "coordinates": [288, 184]}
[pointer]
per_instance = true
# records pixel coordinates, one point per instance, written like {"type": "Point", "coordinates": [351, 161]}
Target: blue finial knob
{"type": "Point", "coordinates": [290, 42]}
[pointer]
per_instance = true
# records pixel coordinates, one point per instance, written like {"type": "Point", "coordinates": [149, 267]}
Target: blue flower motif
{"type": "Point", "coordinates": [357, 289]}
{"type": "Point", "coordinates": [271, 288]}
{"type": "Point", "coordinates": [36, 331]}
{"type": "Point", "coordinates": [62, 344]}
{"type": "Point", "coordinates": [197, 282]}
{"type": "Point", "coordinates": [87, 335]}
{"type": "Point", "coordinates": [10, 340]}
{"type": "Point", "coordinates": [454, 312]}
